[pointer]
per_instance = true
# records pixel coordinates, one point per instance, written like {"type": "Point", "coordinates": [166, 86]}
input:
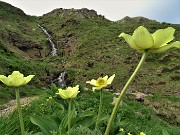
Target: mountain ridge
{"type": "Point", "coordinates": [79, 13]}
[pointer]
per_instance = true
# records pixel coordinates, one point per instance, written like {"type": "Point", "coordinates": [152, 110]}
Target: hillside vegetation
{"type": "Point", "coordinates": [88, 46]}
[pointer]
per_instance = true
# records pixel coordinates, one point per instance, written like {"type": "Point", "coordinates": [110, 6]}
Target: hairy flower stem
{"type": "Point", "coordinates": [20, 112]}
{"type": "Point", "coordinates": [100, 108]}
{"type": "Point", "coordinates": [69, 116]}
{"type": "Point", "coordinates": [123, 92]}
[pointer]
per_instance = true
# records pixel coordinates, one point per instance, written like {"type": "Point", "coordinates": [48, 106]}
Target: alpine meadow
{"type": "Point", "coordinates": [74, 72]}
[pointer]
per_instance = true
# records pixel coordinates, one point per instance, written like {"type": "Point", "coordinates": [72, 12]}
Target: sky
{"type": "Point", "coordinates": [159, 10]}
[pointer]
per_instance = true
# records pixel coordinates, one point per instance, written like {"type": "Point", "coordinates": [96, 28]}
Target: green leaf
{"type": "Point", "coordinates": [164, 132]}
{"type": "Point", "coordinates": [86, 113]}
{"type": "Point", "coordinates": [64, 122]}
{"type": "Point", "coordinates": [103, 119]}
{"type": "Point", "coordinates": [79, 117]}
{"type": "Point", "coordinates": [87, 121]}
{"type": "Point", "coordinates": [38, 133]}
{"type": "Point", "coordinates": [45, 123]}
{"type": "Point", "coordinates": [61, 131]}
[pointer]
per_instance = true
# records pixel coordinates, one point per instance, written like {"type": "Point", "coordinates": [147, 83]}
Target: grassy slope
{"type": "Point", "coordinates": [97, 51]}
{"type": "Point", "coordinates": [100, 51]}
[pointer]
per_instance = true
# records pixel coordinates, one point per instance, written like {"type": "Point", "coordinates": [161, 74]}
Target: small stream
{"type": "Point", "coordinates": [53, 47]}
{"type": "Point", "coordinates": [61, 80]}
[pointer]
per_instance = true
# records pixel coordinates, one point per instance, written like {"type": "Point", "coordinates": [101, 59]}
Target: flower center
{"type": "Point", "coordinates": [101, 82]}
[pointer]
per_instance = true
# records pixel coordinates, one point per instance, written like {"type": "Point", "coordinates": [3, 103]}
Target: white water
{"type": "Point", "coordinates": [61, 80]}
{"type": "Point", "coordinates": [53, 47]}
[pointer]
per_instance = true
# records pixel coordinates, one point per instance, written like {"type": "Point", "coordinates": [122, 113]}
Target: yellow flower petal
{"type": "Point", "coordinates": [92, 82]}
{"type": "Point", "coordinates": [142, 133]}
{"type": "Point", "coordinates": [15, 74]}
{"type": "Point", "coordinates": [101, 81]}
{"type": "Point", "coordinates": [163, 36]}
{"type": "Point", "coordinates": [141, 50]}
{"type": "Point", "coordinates": [109, 81]}
{"type": "Point", "coordinates": [142, 38]}
{"type": "Point", "coordinates": [121, 130]}
{"type": "Point", "coordinates": [4, 79]}
{"type": "Point", "coordinates": [96, 88]}
{"type": "Point", "coordinates": [75, 94]}
{"type": "Point", "coordinates": [28, 78]}
{"type": "Point", "coordinates": [105, 77]}
{"type": "Point", "coordinates": [70, 92]}
{"type": "Point", "coordinates": [128, 39]}
{"type": "Point", "coordinates": [165, 47]}
{"type": "Point", "coordinates": [62, 94]}
{"type": "Point", "coordinates": [75, 91]}
{"type": "Point", "coordinates": [16, 81]}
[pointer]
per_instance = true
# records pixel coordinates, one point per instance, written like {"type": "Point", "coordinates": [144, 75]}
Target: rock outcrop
{"type": "Point", "coordinates": [139, 19]}
{"type": "Point", "coordinates": [77, 13]}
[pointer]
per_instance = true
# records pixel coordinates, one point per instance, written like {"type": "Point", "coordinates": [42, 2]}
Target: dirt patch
{"type": "Point", "coordinates": [11, 106]}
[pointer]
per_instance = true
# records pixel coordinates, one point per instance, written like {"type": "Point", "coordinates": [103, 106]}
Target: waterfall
{"type": "Point", "coordinates": [60, 81]}
{"type": "Point", "coordinates": [53, 48]}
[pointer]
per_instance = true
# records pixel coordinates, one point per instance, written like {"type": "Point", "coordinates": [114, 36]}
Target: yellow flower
{"type": "Point", "coordinates": [142, 133]}
{"type": "Point", "coordinates": [16, 79]}
{"type": "Point", "coordinates": [101, 82]}
{"type": "Point", "coordinates": [129, 134]}
{"type": "Point", "coordinates": [70, 92]}
{"type": "Point", "coordinates": [121, 130]}
{"type": "Point", "coordinates": [142, 40]}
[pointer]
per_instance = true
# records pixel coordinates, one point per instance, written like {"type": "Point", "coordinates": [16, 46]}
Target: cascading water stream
{"type": "Point", "coordinates": [61, 80]}
{"type": "Point", "coordinates": [53, 48]}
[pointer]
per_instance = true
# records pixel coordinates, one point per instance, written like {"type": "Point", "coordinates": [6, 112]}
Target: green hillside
{"type": "Point", "coordinates": [88, 46]}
